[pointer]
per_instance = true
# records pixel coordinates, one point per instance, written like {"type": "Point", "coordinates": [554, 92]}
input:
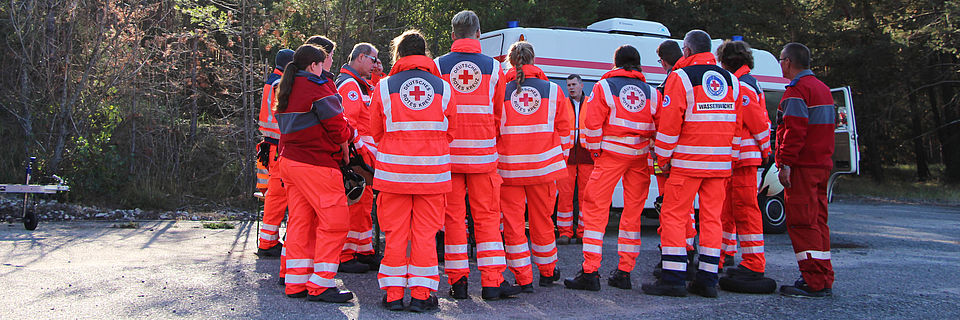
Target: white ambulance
{"type": "Point", "coordinates": [588, 52]}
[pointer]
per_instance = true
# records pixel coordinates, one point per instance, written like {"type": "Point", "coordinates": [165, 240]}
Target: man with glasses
{"type": "Point", "coordinates": [358, 255]}
{"type": "Point", "coordinates": [579, 167]}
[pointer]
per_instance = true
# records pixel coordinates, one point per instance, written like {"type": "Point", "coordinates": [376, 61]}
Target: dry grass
{"type": "Point", "coordinates": [900, 184]}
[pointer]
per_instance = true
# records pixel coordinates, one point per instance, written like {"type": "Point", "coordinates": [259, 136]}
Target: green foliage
{"type": "Point", "coordinates": [218, 225]}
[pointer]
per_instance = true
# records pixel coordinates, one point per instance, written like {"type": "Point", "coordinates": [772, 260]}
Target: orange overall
{"type": "Point", "coordinates": [355, 92]}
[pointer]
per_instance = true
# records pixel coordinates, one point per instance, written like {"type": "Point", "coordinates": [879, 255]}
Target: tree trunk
{"type": "Point", "coordinates": [919, 145]}
{"type": "Point", "coordinates": [193, 95]}
{"type": "Point", "coordinates": [950, 135]}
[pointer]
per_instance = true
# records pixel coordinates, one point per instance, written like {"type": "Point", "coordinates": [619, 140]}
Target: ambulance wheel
{"type": "Point", "coordinates": [774, 214]}
{"type": "Point", "coordinates": [30, 220]}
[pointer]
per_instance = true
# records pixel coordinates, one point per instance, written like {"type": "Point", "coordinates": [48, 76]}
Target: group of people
{"type": "Point", "coordinates": [463, 131]}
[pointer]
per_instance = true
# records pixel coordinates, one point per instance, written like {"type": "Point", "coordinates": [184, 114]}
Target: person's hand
{"type": "Point", "coordinates": [785, 176]}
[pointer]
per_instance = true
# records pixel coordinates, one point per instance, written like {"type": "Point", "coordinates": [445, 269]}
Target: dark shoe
{"type": "Point", "coordinates": [353, 266]}
{"type": "Point", "coordinates": [395, 305]}
{"type": "Point", "coordinates": [527, 288]}
{"type": "Point", "coordinates": [658, 269]}
{"type": "Point", "coordinates": [584, 281]}
{"type": "Point", "coordinates": [282, 281]}
{"type": "Point", "coordinates": [298, 295]}
{"type": "Point", "coordinates": [417, 305]}
{"type": "Point", "coordinates": [728, 261]}
{"type": "Point", "coordinates": [563, 240]}
{"type": "Point", "coordinates": [332, 295]}
{"type": "Point", "coordinates": [662, 289]}
{"type": "Point", "coordinates": [505, 290]}
{"type": "Point", "coordinates": [691, 267]}
{"type": "Point", "coordinates": [458, 290]}
{"type": "Point", "coordinates": [577, 240]}
{"type": "Point", "coordinates": [701, 290]}
{"type": "Point", "coordinates": [620, 279]}
{"type": "Point", "coordinates": [548, 281]}
{"type": "Point", "coordinates": [657, 204]}
{"type": "Point", "coordinates": [371, 260]}
{"type": "Point", "coordinates": [742, 272]}
{"type": "Point", "coordinates": [828, 292]}
{"type": "Point", "coordinates": [801, 289]}
{"type": "Point", "coordinates": [270, 253]}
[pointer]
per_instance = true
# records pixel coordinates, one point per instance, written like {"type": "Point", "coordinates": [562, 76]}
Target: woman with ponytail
{"type": "Point", "coordinates": [313, 138]}
{"type": "Point", "coordinates": [532, 158]}
{"type": "Point", "coordinates": [619, 133]}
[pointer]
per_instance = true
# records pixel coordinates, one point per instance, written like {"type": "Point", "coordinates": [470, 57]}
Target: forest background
{"type": "Point", "coordinates": [153, 103]}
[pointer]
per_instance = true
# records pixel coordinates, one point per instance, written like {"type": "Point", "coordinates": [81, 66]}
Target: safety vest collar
{"type": "Point", "coordinates": [624, 73]}
{"type": "Point", "coordinates": [415, 62]}
{"type": "Point", "coordinates": [466, 45]}
{"type": "Point", "coordinates": [529, 71]}
{"type": "Point", "coordinates": [700, 58]}
{"type": "Point", "coordinates": [350, 71]}
{"type": "Point", "coordinates": [274, 76]}
{"type": "Point", "coordinates": [742, 71]}
{"type": "Point", "coordinates": [802, 74]}
{"type": "Point", "coordinates": [314, 78]}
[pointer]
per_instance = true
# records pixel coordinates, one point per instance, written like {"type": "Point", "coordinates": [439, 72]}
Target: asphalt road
{"type": "Point", "coordinates": [891, 261]}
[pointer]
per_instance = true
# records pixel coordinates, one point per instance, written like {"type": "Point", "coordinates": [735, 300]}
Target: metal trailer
{"type": "Point", "coordinates": [30, 219]}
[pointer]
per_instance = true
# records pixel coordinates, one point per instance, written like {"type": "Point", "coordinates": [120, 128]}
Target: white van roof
{"type": "Point", "coordinates": [589, 53]}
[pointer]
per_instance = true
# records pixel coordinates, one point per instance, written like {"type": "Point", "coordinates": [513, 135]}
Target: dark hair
{"type": "Point", "coordinates": [627, 57]}
{"type": "Point", "coordinates": [735, 54]}
{"type": "Point", "coordinates": [521, 53]}
{"type": "Point", "coordinates": [669, 51]}
{"type": "Point", "coordinates": [698, 41]}
{"type": "Point", "coordinates": [575, 76]}
{"type": "Point", "coordinates": [798, 54]}
{"type": "Point", "coordinates": [327, 44]}
{"type": "Point", "coordinates": [409, 43]}
{"type": "Point", "coordinates": [305, 55]}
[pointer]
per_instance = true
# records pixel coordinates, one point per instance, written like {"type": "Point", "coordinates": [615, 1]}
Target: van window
{"type": "Point", "coordinates": [587, 85]}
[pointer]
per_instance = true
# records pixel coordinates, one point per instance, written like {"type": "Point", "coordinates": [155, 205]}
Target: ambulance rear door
{"type": "Point", "coordinates": [846, 153]}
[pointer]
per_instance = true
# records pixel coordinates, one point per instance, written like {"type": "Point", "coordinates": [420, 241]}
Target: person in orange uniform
{"type": "Point", "coordinates": [741, 216]}
{"type": "Point", "coordinates": [268, 176]}
{"type": "Point", "coordinates": [313, 137]}
{"type": "Point", "coordinates": [534, 118]}
{"type": "Point", "coordinates": [579, 166]}
{"type": "Point", "coordinates": [477, 82]}
{"type": "Point", "coordinates": [698, 124]}
{"type": "Point", "coordinates": [620, 129]}
{"type": "Point", "coordinates": [358, 255]}
{"type": "Point", "coordinates": [411, 118]}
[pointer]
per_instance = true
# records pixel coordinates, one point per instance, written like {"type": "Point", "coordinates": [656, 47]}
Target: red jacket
{"type": "Point", "coordinates": [477, 82]}
{"type": "Point", "coordinates": [805, 124]}
{"type": "Point", "coordinates": [619, 116]}
{"type": "Point", "coordinates": [411, 116]}
{"type": "Point", "coordinates": [699, 119]}
{"type": "Point", "coordinates": [755, 133]}
{"type": "Point", "coordinates": [313, 127]}
{"type": "Point", "coordinates": [266, 120]}
{"type": "Point", "coordinates": [531, 151]}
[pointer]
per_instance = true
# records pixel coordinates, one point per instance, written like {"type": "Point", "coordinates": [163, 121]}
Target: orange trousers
{"type": "Point", "coordinates": [360, 237]}
{"type": "Point", "coordinates": [742, 220]}
{"type": "Point", "coordinates": [538, 200]}
{"type": "Point", "coordinates": [484, 191]}
{"type": "Point", "coordinates": [577, 176]}
{"type": "Point", "coordinates": [274, 203]}
{"type": "Point", "coordinates": [596, 210]}
{"type": "Point", "coordinates": [317, 226]}
{"type": "Point", "coordinates": [691, 223]}
{"type": "Point", "coordinates": [410, 221]}
{"type": "Point", "coordinates": [681, 190]}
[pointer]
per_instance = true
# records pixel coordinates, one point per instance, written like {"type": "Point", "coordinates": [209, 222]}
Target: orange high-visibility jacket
{"type": "Point", "coordinates": [356, 107]}
{"type": "Point", "coordinates": [411, 114]}
{"type": "Point", "coordinates": [268, 123]}
{"type": "Point", "coordinates": [531, 125]}
{"type": "Point", "coordinates": [755, 134]}
{"type": "Point", "coordinates": [620, 114]}
{"type": "Point", "coordinates": [699, 119]}
{"type": "Point", "coordinates": [477, 83]}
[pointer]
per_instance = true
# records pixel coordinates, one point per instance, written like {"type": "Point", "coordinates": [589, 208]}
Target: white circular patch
{"type": "Point", "coordinates": [714, 85]}
{"type": "Point", "coordinates": [666, 100]}
{"type": "Point", "coordinates": [465, 77]}
{"type": "Point", "coordinates": [526, 102]}
{"type": "Point", "coordinates": [746, 100]}
{"type": "Point", "coordinates": [632, 98]}
{"type": "Point", "coordinates": [416, 93]}
{"type": "Point", "coordinates": [353, 95]}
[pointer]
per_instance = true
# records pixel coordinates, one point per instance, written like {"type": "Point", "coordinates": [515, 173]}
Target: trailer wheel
{"type": "Point", "coordinates": [30, 220]}
{"type": "Point", "coordinates": [774, 213]}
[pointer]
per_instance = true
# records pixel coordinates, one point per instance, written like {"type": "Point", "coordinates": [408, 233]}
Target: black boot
{"type": "Point", "coordinates": [458, 290]}
{"type": "Point", "coordinates": [691, 267]}
{"type": "Point", "coordinates": [563, 240]}
{"type": "Point", "coordinates": [417, 305]}
{"type": "Point", "coordinates": [282, 281]}
{"type": "Point", "coordinates": [298, 295]}
{"type": "Point", "coordinates": [663, 289]}
{"type": "Point", "coordinates": [548, 281]}
{"type": "Point", "coordinates": [332, 295]}
{"type": "Point", "coordinates": [584, 281]}
{"type": "Point", "coordinates": [742, 272]}
{"type": "Point", "coordinates": [353, 266]}
{"type": "Point", "coordinates": [395, 305]}
{"type": "Point", "coordinates": [702, 290]}
{"type": "Point", "coordinates": [505, 290]}
{"type": "Point", "coordinates": [371, 260]}
{"type": "Point", "coordinates": [270, 253]}
{"type": "Point", "coordinates": [801, 289]}
{"type": "Point", "coordinates": [620, 279]}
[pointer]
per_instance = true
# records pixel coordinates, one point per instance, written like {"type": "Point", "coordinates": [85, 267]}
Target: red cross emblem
{"type": "Point", "coordinates": [633, 97]}
{"type": "Point", "coordinates": [465, 76]}
{"type": "Point", "coordinates": [715, 85]}
{"type": "Point", "coordinates": [526, 99]}
{"type": "Point", "coordinates": [417, 93]}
